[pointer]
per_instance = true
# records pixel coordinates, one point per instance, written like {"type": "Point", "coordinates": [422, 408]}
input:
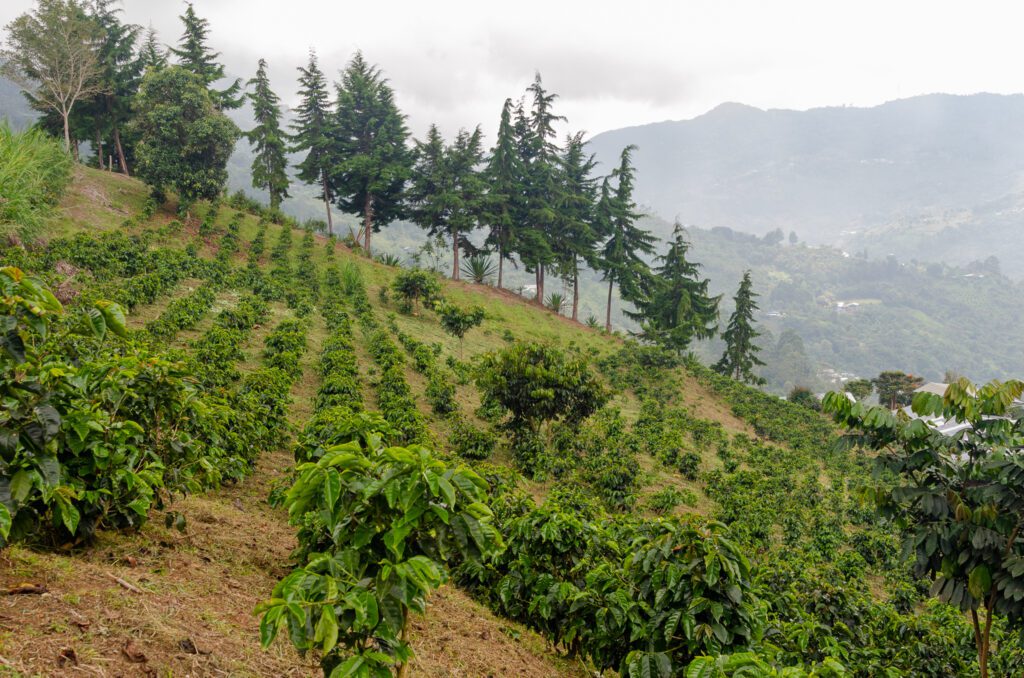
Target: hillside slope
{"type": "Point", "coordinates": [184, 601]}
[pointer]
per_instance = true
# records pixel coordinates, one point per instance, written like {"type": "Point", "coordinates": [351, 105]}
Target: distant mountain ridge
{"type": "Point", "coordinates": [934, 177]}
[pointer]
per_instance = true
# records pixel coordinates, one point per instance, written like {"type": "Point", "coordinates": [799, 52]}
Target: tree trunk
{"type": "Point", "coordinates": [67, 133]}
{"type": "Point", "coordinates": [327, 204]}
{"type": "Point", "coordinates": [455, 254]}
{"type": "Point", "coordinates": [501, 265]}
{"type": "Point", "coordinates": [538, 282]}
{"type": "Point", "coordinates": [120, 152]}
{"type": "Point", "coordinates": [608, 313]}
{"type": "Point", "coordinates": [99, 147]}
{"type": "Point", "coordinates": [367, 223]}
{"type": "Point", "coordinates": [575, 293]}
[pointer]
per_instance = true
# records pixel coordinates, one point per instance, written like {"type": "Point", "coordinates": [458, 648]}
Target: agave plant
{"type": "Point", "coordinates": [389, 259]}
{"type": "Point", "coordinates": [555, 302]}
{"type": "Point", "coordinates": [592, 322]}
{"type": "Point", "coordinates": [479, 268]}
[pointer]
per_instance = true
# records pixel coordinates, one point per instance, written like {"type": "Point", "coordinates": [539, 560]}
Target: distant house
{"type": "Point", "coordinates": [935, 387]}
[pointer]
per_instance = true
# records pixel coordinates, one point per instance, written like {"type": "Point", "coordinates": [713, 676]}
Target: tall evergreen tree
{"type": "Point", "coordinates": [675, 308]}
{"type": "Point", "coordinates": [369, 136]}
{"type": "Point", "coordinates": [540, 159]}
{"type": "Point", "coordinates": [576, 239]}
{"type": "Point", "coordinates": [504, 198]}
{"type": "Point", "coordinates": [121, 72]}
{"type": "Point", "coordinates": [194, 55]}
{"type": "Point", "coordinates": [312, 133]}
{"type": "Point", "coordinates": [465, 159]}
{"type": "Point", "coordinates": [269, 165]}
{"type": "Point", "coordinates": [620, 260]}
{"type": "Point", "coordinates": [152, 53]}
{"type": "Point", "coordinates": [740, 356]}
{"type": "Point", "coordinates": [446, 191]}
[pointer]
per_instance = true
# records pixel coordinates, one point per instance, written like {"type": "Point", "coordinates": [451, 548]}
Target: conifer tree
{"type": "Point", "coordinates": [740, 356]}
{"type": "Point", "coordinates": [504, 197]}
{"type": "Point", "coordinates": [369, 136]}
{"type": "Point", "coordinates": [311, 133]}
{"type": "Point", "coordinates": [121, 73]}
{"type": "Point", "coordinates": [676, 307]}
{"type": "Point", "coordinates": [540, 160]}
{"type": "Point", "coordinates": [152, 54]}
{"type": "Point", "coordinates": [620, 260]}
{"type": "Point", "coordinates": [464, 159]}
{"type": "Point", "coordinates": [446, 191]}
{"type": "Point", "coordinates": [269, 165]}
{"type": "Point", "coordinates": [575, 240]}
{"type": "Point", "coordinates": [194, 55]}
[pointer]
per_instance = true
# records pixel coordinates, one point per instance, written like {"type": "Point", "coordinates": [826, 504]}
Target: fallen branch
{"type": "Point", "coordinates": [123, 583]}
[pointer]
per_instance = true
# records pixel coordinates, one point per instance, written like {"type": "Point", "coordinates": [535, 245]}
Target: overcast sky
{"type": "Point", "coordinates": [623, 63]}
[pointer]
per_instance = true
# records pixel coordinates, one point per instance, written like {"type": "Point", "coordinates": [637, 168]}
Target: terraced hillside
{"type": "Point", "coordinates": [688, 516]}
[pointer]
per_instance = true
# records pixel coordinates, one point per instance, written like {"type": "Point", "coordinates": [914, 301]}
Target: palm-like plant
{"type": "Point", "coordinates": [479, 268]}
{"type": "Point", "coordinates": [592, 322]}
{"type": "Point", "coordinates": [555, 302]}
{"type": "Point", "coordinates": [389, 259]}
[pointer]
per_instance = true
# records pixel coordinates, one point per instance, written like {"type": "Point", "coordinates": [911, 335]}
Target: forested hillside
{"type": "Point", "coordinates": [862, 316]}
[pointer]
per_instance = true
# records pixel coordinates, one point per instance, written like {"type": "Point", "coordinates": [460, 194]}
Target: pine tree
{"type": "Point", "coordinates": [620, 260]}
{"type": "Point", "coordinates": [194, 55]}
{"type": "Point", "coordinates": [269, 165]}
{"type": "Point", "coordinates": [152, 54]}
{"type": "Point", "coordinates": [539, 156]}
{"type": "Point", "coordinates": [464, 160]}
{"type": "Point", "coordinates": [311, 131]}
{"type": "Point", "coordinates": [121, 73]}
{"type": "Point", "coordinates": [369, 135]}
{"type": "Point", "coordinates": [740, 356]}
{"type": "Point", "coordinates": [445, 194]}
{"type": "Point", "coordinates": [576, 239]}
{"type": "Point", "coordinates": [504, 198]}
{"type": "Point", "coordinates": [676, 307]}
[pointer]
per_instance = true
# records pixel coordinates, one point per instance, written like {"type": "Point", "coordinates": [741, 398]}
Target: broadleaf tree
{"type": "Point", "coordinates": [53, 54]}
{"type": "Point", "coordinates": [184, 140]}
{"type": "Point", "coordinates": [957, 498]}
{"type": "Point", "coordinates": [895, 388]}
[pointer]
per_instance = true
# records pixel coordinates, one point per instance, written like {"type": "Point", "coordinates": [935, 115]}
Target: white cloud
{"type": "Point", "coordinates": [619, 64]}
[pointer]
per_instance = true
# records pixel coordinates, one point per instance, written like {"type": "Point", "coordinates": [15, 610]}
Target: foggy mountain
{"type": "Point", "coordinates": [937, 177]}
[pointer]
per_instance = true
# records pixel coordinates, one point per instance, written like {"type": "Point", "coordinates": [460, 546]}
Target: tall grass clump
{"type": "Point", "coordinates": [34, 171]}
